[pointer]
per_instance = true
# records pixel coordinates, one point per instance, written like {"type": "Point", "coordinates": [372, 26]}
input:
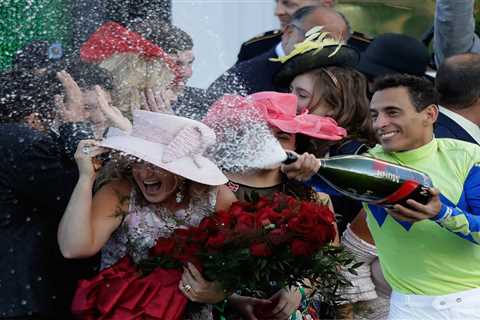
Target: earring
{"type": "Point", "coordinates": [179, 195]}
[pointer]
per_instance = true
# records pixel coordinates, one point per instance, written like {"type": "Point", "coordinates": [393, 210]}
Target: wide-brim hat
{"type": "Point", "coordinates": [280, 110]}
{"type": "Point", "coordinates": [328, 56]}
{"type": "Point", "coordinates": [173, 143]}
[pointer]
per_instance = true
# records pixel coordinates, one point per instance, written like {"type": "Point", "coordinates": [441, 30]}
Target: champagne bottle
{"type": "Point", "coordinates": [372, 180]}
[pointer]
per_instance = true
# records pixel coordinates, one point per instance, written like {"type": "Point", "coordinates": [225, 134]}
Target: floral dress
{"type": "Point", "coordinates": [144, 224]}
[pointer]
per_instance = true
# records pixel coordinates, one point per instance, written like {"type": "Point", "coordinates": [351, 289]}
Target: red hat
{"type": "Point", "coordinates": [113, 38]}
{"type": "Point", "coordinates": [280, 110]}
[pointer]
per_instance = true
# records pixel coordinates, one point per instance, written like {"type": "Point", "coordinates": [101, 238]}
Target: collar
{"type": "Point", "coordinates": [279, 50]}
{"type": "Point", "coordinates": [472, 129]}
{"type": "Point", "coordinates": [417, 154]}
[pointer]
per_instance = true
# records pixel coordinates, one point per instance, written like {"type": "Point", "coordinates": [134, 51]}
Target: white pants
{"type": "Point", "coordinates": [463, 305]}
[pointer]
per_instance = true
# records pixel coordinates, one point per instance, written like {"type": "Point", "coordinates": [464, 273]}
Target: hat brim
{"type": "Point", "coordinates": [372, 70]}
{"type": "Point", "coordinates": [289, 126]}
{"type": "Point", "coordinates": [200, 169]}
{"type": "Point", "coordinates": [346, 56]}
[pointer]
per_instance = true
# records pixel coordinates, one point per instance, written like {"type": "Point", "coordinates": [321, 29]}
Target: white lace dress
{"type": "Point", "coordinates": [144, 224]}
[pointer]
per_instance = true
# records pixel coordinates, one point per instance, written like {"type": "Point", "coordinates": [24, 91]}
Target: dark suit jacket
{"type": "Point", "coordinates": [247, 77]}
{"type": "Point", "coordinates": [258, 45]}
{"type": "Point", "coordinates": [36, 181]}
{"type": "Point", "coordinates": [447, 128]}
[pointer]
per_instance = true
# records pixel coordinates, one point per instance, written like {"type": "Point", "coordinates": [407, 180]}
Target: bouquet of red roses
{"type": "Point", "coordinates": [260, 246]}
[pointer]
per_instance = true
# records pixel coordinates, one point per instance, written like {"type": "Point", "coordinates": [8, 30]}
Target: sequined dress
{"type": "Point", "coordinates": [144, 224]}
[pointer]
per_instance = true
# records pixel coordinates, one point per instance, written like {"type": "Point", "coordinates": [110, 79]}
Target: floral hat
{"type": "Point", "coordinates": [244, 140]}
{"type": "Point", "coordinates": [316, 51]}
{"type": "Point", "coordinates": [173, 143]}
{"type": "Point", "coordinates": [280, 110]}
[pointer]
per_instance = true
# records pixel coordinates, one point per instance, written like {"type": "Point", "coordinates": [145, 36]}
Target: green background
{"type": "Point", "coordinates": [24, 20]}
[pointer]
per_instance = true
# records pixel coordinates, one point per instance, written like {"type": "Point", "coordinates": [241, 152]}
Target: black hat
{"type": "Point", "coordinates": [394, 53]}
{"type": "Point", "coordinates": [345, 56]}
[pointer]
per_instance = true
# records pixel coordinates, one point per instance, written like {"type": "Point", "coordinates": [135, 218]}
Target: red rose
{"type": "Point", "coordinates": [197, 235]}
{"type": "Point", "coordinates": [268, 214]}
{"type": "Point", "coordinates": [322, 234]}
{"type": "Point", "coordinates": [301, 248]}
{"type": "Point", "coordinates": [320, 212]}
{"type": "Point", "coordinates": [245, 223]}
{"type": "Point", "coordinates": [237, 209]}
{"type": "Point", "coordinates": [301, 223]}
{"type": "Point", "coordinates": [217, 240]}
{"type": "Point", "coordinates": [263, 203]}
{"type": "Point", "coordinates": [260, 250]}
{"type": "Point", "coordinates": [207, 224]}
{"type": "Point", "coordinates": [163, 246]}
{"type": "Point", "coordinates": [278, 236]}
{"type": "Point", "coordinates": [223, 219]}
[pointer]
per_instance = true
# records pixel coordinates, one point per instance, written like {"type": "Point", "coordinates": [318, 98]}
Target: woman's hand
{"type": "Point", "coordinates": [156, 100]}
{"type": "Point", "coordinates": [287, 302]}
{"type": "Point", "coordinates": [246, 305]}
{"type": "Point", "coordinates": [302, 169]}
{"type": "Point", "coordinates": [85, 155]}
{"type": "Point", "coordinates": [197, 289]}
{"type": "Point", "coordinates": [112, 113]}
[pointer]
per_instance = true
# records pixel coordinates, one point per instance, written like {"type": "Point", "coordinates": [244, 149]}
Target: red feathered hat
{"type": "Point", "coordinates": [113, 38]}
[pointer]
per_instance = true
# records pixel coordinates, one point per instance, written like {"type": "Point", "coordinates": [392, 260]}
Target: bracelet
{"type": "Point", "coordinates": [220, 306]}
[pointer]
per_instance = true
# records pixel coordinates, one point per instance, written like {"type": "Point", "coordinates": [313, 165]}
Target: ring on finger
{"type": "Point", "coordinates": [187, 287]}
{"type": "Point", "coordinates": [86, 150]}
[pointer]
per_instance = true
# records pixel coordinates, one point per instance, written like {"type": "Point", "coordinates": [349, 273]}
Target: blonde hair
{"type": "Point", "coordinates": [132, 74]}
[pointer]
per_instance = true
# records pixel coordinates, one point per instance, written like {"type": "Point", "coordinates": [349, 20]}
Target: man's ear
{"type": "Point", "coordinates": [431, 114]}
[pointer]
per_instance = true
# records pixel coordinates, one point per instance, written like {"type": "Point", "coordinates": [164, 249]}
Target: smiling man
{"type": "Point", "coordinates": [429, 253]}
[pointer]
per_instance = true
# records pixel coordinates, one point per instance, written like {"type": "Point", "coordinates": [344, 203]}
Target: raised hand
{"type": "Point", "coordinates": [72, 108]}
{"type": "Point", "coordinates": [85, 155]}
{"type": "Point", "coordinates": [113, 114]}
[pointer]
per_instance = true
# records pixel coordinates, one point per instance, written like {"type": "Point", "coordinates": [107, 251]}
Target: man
{"type": "Point", "coordinates": [284, 10]}
{"type": "Point", "coordinates": [454, 29]}
{"type": "Point", "coordinates": [257, 74]}
{"type": "Point", "coordinates": [37, 176]}
{"type": "Point", "coordinates": [429, 253]}
{"type": "Point", "coordinates": [458, 87]}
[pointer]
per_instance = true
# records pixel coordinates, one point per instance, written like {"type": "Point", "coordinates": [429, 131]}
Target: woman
{"type": "Point", "coordinates": [162, 182]}
{"type": "Point", "coordinates": [144, 75]}
{"type": "Point", "coordinates": [252, 132]}
{"type": "Point", "coordinates": [320, 73]}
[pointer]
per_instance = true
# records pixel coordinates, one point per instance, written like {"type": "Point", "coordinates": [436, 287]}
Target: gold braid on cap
{"type": "Point", "coordinates": [315, 40]}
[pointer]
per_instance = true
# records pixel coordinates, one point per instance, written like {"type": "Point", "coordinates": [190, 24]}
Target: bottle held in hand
{"type": "Point", "coordinates": [372, 180]}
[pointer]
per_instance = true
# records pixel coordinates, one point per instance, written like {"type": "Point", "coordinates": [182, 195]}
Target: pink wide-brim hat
{"type": "Point", "coordinates": [280, 110]}
{"type": "Point", "coordinates": [173, 143]}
